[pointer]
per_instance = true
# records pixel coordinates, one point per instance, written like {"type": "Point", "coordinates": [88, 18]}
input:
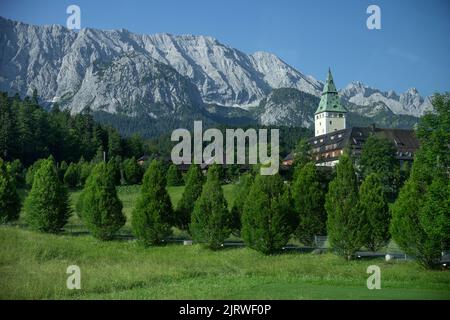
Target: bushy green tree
{"type": "Point", "coordinates": [85, 169]}
{"type": "Point", "coordinates": [302, 155]}
{"type": "Point", "coordinates": [115, 166]}
{"type": "Point", "coordinates": [9, 199]}
{"type": "Point", "coordinates": [378, 155]}
{"type": "Point", "coordinates": [210, 224]}
{"type": "Point", "coordinates": [421, 212]}
{"type": "Point", "coordinates": [47, 205]}
{"type": "Point", "coordinates": [434, 215]}
{"type": "Point", "coordinates": [153, 212]}
{"type": "Point", "coordinates": [62, 168]}
{"type": "Point", "coordinates": [132, 171]}
{"type": "Point", "coordinates": [344, 221]}
{"type": "Point", "coordinates": [31, 172]}
{"type": "Point", "coordinates": [173, 176]}
{"type": "Point", "coordinates": [374, 211]}
{"type": "Point", "coordinates": [100, 207]}
{"type": "Point", "coordinates": [192, 190]}
{"type": "Point", "coordinates": [267, 215]}
{"type": "Point", "coordinates": [241, 192]}
{"type": "Point", "coordinates": [17, 172]}
{"type": "Point", "coordinates": [72, 177]}
{"type": "Point", "coordinates": [309, 204]}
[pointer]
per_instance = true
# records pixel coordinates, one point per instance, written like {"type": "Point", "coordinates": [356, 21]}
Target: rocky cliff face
{"type": "Point", "coordinates": [158, 75]}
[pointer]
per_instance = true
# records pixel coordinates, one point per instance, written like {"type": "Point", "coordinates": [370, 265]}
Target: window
{"type": "Point", "coordinates": [331, 122]}
{"type": "Point", "coordinates": [340, 115]}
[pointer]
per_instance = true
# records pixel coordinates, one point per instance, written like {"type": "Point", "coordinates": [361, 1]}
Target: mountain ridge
{"type": "Point", "coordinates": [118, 71]}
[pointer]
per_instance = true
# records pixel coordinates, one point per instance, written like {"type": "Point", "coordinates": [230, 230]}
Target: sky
{"type": "Point", "coordinates": [412, 48]}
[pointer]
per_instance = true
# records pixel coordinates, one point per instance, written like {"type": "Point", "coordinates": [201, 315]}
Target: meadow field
{"type": "Point", "coordinates": [33, 266]}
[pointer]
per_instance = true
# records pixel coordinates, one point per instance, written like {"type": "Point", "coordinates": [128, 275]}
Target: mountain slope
{"type": "Point", "coordinates": [291, 107]}
{"type": "Point", "coordinates": [164, 76]}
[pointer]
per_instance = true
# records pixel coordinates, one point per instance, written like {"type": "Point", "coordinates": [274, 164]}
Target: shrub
{"type": "Point", "coordinates": [132, 171]}
{"type": "Point", "coordinates": [241, 192]}
{"type": "Point", "coordinates": [47, 205]}
{"type": "Point", "coordinates": [153, 212]}
{"type": "Point", "coordinates": [267, 215]}
{"type": "Point", "coordinates": [374, 211]}
{"type": "Point", "coordinates": [193, 189]}
{"type": "Point", "coordinates": [210, 223]}
{"type": "Point", "coordinates": [99, 206]}
{"type": "Point", "coordinates": [9, 199]}
{"type": "Point", "coordinates": [72, 177]}
{"type": "Point", "coordinates": [173, 176]}
{"type": "Point", "coordinates": [344, 221]}
{"type": "Point", "coordinates": [309, 204]}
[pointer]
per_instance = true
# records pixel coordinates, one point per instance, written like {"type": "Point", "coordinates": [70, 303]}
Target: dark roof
{"type": "Point", "coordinates": [143, 158]}
{"type": "Point", "coordinates": [404, 140]}
{"type": "Point", "coordinates": [290, 156]}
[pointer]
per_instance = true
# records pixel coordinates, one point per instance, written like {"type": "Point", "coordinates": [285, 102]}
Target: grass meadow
{"type": "Point", "coordinates": [33, 266]}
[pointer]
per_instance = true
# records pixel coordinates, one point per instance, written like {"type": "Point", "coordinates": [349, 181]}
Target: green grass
{"type": "Point", "coordinates": [33, 266]}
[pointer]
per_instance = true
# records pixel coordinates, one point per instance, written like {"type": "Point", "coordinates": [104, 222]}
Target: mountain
{"type": "Point", "coordinates": [408, 103]}
{"type": "Point", "coordinates": [170, 78]}
{"type": "Point", "coordinates": [291, 107]}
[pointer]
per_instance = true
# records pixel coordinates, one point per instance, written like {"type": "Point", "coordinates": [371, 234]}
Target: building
{"type": "Point", "coordinates": [326, 149]}
{"type": "Point", "coordinates": [330, 114]}
{"type": "Point", "coordinates": [332, 136]}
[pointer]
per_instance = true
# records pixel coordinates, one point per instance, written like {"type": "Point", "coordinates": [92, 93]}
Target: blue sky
{"type": "Point", "coordinates": [412, 49]}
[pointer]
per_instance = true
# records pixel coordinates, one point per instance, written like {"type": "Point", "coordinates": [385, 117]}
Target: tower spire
{"type": "Point", "coordinates": [329, 100]}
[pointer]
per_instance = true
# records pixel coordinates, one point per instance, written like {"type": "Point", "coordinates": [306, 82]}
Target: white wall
{"type": "Point", "coordinates": [327, 122]}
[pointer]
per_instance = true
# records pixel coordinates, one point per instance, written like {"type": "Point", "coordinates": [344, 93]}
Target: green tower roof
{"type": "Point", "coordinates": [329, 101]}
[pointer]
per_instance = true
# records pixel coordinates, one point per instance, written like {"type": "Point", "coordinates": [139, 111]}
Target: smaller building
{"type": "Point", "coordinates": [326, 149]}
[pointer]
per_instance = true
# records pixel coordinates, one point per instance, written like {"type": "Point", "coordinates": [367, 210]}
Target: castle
{"type": "Point", "coordinates": [332, 137]}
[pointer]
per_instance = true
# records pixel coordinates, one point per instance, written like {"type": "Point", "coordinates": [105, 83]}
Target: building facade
{"type": "Point", "coordinates": [330, 115]}
{"type": "Point", "coordinates": [332, 137]}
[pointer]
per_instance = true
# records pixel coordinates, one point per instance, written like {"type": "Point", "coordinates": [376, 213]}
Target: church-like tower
{"type": "Point", "coordinates": [330, 115]}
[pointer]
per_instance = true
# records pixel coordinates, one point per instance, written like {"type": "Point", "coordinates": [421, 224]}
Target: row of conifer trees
{"type": "Point", "coordinates": [265, 214]}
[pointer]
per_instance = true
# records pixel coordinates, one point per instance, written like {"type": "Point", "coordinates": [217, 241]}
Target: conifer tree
{"type": "Point", "coordinates": [9, 198]}
{"type": "Point", "coordinates": [85, 169]}
{"type": "Point", "coordinates": [374, 211]}
{"type": "Point", "coordinates": [47, 205]}
{"type": "Point", "coordinates": [173, 176]}
{"type": "Point", "coordinates": [210, 224]}
{"type": "Point", "coordinates": [242, 190]}
{"type": "Point", "coordinates": [29, 177]}
{"type": "Point", "coordinates": [153, 212]}
{"type": "Point", "coordinates": [114, 165]}
{"type": "Point", "coordinates": [267, 215]}
{"type": "Point", "coordinates": [192, 190]}
{"type": "Point", "coordinates": [100, 207]}
{"type": "Point", "coordinates": [132, 171]}
{"type": "Point", "coordinates": [62, 168]}
{"type": "Point", "coordinates": [344, 221]}
{"type": "Point", "coordinates": [71, 177]}
{"type": "Point", "coordinates": [17, 172]}
{"type": "Point", "coordinates": [309, 204]}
